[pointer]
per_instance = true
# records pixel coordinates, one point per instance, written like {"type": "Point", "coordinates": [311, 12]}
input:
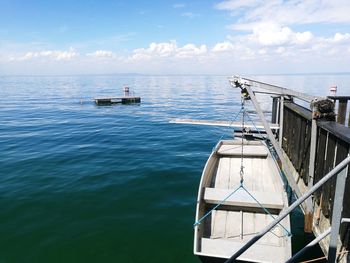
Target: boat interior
{"type": "Point", "coordinates": [248, 210]}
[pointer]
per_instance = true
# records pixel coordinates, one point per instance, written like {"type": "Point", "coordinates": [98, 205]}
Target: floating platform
{"type": "Point", "coordinates": [117, 100]}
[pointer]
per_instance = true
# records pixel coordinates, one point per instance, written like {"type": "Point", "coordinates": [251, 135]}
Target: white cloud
{"type": "Point", "coordinates": [223, 47]}
{"type": "Point", "coordinates": [269, 48]}
{"type": "Point", "coordinates": [262, 51]}
{"type": "Point", "coordinates": [302, 38]}
{"type": "Point", "coordinates": [51, 54]}
{"type": "Point", "coordinates": [168, 50]}
{"type": "Point", "coordinates": [340, 38]}
{"type": "Point", "coordinates": [280, 50]}
{"type": "Point", "coordinates": [290, 12]}
{"type": "Point", "coordinates": [271, 34]}
{"type": "Point", "coordinates": [102, 54]}
{"type": "Point", "coordinates": [235, 4]}
{"type": "Point", "coordinates": [190, 50]}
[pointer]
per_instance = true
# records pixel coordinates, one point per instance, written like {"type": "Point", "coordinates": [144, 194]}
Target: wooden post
{"type": "Point", "coordinates": [309, 215]}
{"type": "Point", "coordinates": [280, 138]}
{"type": "Point", "coordinates": [343, 103]}
{"type": "Point", "coordinates": [274, 110]}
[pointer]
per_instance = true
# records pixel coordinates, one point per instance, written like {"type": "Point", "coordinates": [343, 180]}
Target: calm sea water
{"type": "Point", "coordinates": [82, 183]}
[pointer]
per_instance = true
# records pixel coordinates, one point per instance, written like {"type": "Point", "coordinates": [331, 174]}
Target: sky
{"type": "Point", "coordinates": [174, 37]}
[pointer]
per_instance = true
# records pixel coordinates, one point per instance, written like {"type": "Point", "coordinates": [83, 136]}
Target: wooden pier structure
{"type": "Point", "coordinates": [313, 151]}
{"type": "Point", "coordinates": [313, 148]}
{"type": "Point", "coordinates": [117, 100]}
{"type": "Point", "coordinates": [127, 99]}
{"type": "Point", "coordinates": [311, 144]}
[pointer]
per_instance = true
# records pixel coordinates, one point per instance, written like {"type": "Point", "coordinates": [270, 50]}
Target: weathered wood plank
{"type": "Point", "coordinates": [303, 112]}
{"type": "Point", "coordinates": [320, 157]}
{"type": "Point", "coordinates": [339, 97]}
{"type": "Point", "coordinates": [116, 100]}
{"type": "Point", "coordinates": [328, 188]}
{"type": "Point", "coordinates": [274, 110]}
{"type": "Point", "coordinates": [248, 151]}
{"type": "Point", "coordinates": [340, 131]}
{"type": "Point", "coordinates": [258, 252]}
{"type": "Point", "coordinates": [342, 106]}
{"type": "Point", "coordinates": [248, 125]}
{"type": "Point", "coordinates": [242, 198]}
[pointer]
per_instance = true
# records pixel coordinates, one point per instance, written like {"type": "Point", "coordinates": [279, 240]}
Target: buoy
{"type": "Point", "coordinates": [126, 91]}
{"type": "Point", "coordinates": [333, 89]}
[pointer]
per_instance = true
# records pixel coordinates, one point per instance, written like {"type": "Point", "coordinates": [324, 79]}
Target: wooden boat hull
{"type": "Point", "coordinates": [243, 214]}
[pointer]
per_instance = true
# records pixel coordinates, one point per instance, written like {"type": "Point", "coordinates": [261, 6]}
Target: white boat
{"type": "Point", "coordinates": [245, 209]}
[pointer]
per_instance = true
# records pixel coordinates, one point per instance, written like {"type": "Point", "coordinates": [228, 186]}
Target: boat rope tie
{"type": "Point", "coordinates": [241, 186]}
{"type": "Point", "coordinates": [219, 204]}
{"type": "Point", "coordinates": [241, 172]}
{"type": "Point", "coordinates": [233, 120]}
{"type": "Point", "coordinates": [287, 232]}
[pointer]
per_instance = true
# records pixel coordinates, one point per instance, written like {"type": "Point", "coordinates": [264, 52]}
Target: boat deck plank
{"type": "Point", "coordinates": [222, 181]}
{"type": "Point", "coordinates": [219, 224]}
{"type": "Point", "coordinates": [256, 253]}
{"type": "Point", "coordinates": [241, 226]}
{"type": "Point", "coordinates": [256, 177]}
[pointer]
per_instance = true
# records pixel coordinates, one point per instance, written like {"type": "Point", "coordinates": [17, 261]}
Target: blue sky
{"type": "Point", "coordinates": [174, 37]}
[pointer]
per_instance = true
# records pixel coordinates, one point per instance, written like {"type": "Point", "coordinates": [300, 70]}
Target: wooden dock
{"type": "Point", "coordinates": [117, 100]}
{"type": "Point", "coordinates": [312, 153]}
{"type": "Point", "coordinates": [313, 147]}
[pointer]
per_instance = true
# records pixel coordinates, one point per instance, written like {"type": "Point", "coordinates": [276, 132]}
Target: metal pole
{"type": "Point", "coordinates": [285, 212]}
{"type": "Point", "coordinates": [311, 244]}
{"type": "Point", "coordinates": [277, 89]}
{"type": "Point", "coordinates": [336, 215]}
{"type": "Point", "coordinates": [278, 149]}
{"type": "Point", "coordinates": [314, 242]}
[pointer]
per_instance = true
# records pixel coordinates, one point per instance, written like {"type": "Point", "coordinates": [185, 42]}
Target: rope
{"type": "Point", "coordinates": [251, 120]}
{"type": "Point", "coordinates": [324, 257]}
{"type": "Point", "coordinates": [266, 211]}
{"type": "Point", "coordinates": [222, 136]}
{"type": "Point", "coordinates": [241, 172]}
{"type": "Point", "coordinates": [207, 214]}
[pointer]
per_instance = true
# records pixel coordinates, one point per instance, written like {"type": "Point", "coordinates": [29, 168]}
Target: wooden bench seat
{"type": "Point", "coordinates": [269, 200]}
{"type": "Point", "coordinates": [256, 253]}
{"type": "Point", "coordinates": [252, 151]}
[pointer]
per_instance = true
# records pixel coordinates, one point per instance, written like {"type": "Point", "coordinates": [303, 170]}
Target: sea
{"type": "Point", "coordinates": [87, 183]}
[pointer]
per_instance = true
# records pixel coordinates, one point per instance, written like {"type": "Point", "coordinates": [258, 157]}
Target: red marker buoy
{"type": "Point", "coordinates": [333, 89]}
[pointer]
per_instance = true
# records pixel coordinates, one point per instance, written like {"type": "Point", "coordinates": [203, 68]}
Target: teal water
{"type": "Point", "coordinates": [82, 183]}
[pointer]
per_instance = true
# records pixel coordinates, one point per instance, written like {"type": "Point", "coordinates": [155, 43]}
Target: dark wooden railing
{"type": "Point", "coordinates": [342, 106]}
{"type": "Point", "coordinates": [332, 146]}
